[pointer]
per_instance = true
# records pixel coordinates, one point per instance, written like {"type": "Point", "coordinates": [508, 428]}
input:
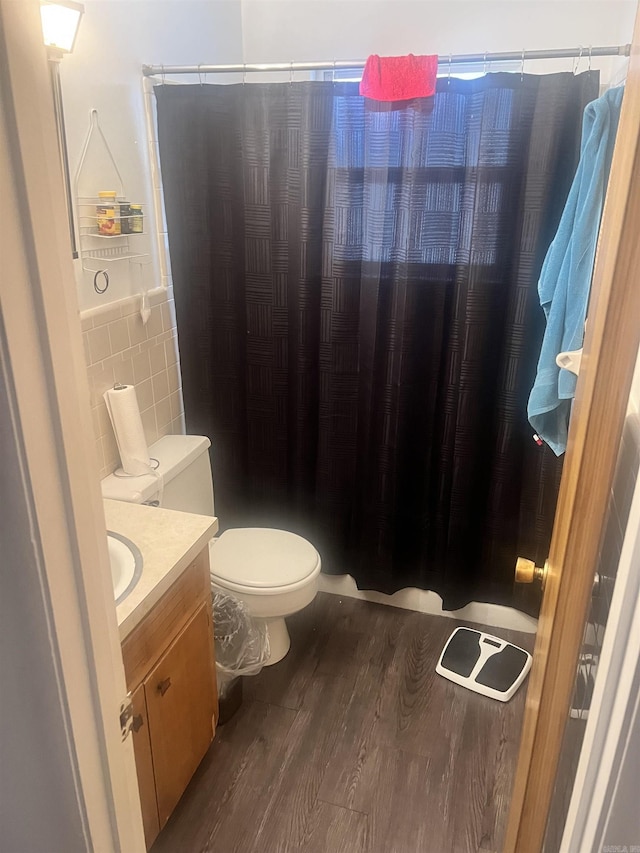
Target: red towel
{"type": "Point", "coordinates": [399, 78]}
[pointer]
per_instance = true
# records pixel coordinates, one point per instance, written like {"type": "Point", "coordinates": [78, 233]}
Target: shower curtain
{"type": "Point", "coordinates": [355, 288]}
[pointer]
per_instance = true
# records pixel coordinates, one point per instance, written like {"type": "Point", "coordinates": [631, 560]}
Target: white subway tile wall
{"type": "Point", "coordinates": [119, 348]}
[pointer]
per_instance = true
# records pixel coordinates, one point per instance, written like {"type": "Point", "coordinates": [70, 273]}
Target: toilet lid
{"type": "Point", "coordinates": [261, 557]}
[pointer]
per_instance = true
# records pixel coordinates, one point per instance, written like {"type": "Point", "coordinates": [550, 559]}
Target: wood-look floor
{"type": "Point", "coordinates": [353, 744]}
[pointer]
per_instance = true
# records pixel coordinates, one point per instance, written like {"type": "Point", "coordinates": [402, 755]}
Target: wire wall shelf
{"type": "Point", "coordinates": [103, 220]}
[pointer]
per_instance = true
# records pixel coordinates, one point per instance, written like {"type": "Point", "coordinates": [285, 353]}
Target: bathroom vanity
{"type": "Point", "coordinates": [166, 631]}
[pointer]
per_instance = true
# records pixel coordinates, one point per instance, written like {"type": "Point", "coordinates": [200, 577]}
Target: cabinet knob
{"type": "Point", "coordinates": [164, 685]}
{"type": "Point", "coordinates": [137, 723]}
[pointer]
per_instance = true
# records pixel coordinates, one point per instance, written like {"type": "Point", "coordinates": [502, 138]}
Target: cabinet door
{"type": "Point", "coordinates": [144, 766]}
{"type": "Point", "coordinates": [180, 694]}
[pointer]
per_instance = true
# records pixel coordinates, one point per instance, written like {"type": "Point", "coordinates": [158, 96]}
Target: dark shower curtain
{"type": "Point", "coordinates": [358, 319]}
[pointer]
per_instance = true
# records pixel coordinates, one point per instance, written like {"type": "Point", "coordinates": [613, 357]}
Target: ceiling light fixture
{"type": "Point", "coordinates": [60, 23]}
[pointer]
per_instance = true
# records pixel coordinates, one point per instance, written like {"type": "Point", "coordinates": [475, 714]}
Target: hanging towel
{"type": "Point", "coordinates": [565, 278]}
{"type": "Point", "coordinates": [399, 78]}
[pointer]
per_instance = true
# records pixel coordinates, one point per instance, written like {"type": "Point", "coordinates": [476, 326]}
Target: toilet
{"type": "Point", "coordinates": [274, 572]}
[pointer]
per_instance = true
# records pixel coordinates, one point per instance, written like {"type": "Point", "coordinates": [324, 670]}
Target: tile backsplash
{"type": "Point", "coordinates": [119, 348]}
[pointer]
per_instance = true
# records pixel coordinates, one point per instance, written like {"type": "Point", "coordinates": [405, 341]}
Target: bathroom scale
{"type": "Point", "coordinates": [483, 663]}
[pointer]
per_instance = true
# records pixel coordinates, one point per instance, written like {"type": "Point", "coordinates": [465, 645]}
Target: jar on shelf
{"type": "Point", "coordinates": [137, 222]}
{"type": "Point", "coordinates": [107, 214]}
{"type": "Point", "coordinates": [125, 217]}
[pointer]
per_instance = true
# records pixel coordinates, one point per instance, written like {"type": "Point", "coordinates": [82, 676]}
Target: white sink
{"type": "Point", "coordinates": [126, 564]}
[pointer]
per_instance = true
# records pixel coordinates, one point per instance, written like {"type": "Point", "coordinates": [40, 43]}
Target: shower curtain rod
{"type": "Point", "coordinates": [455, 59]}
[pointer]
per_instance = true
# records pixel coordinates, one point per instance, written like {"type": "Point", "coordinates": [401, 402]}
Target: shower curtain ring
{"type": "Point", "coordinates": [333, 72]}
{"type": "Point", "coordinates": [162, 75]}
{"type": "Point", "coordinates": [291, 72]}
{"type": "Point", "coordinates": [244, 73]}
{"type": "Point", "coordinates": [590, 53]}
{"type": "Point", "coordinates": [578, 58]}
{"type": "Point", "coordinates": [522, 65]}
{"type": "Point", "coordinates": [449, 72]}
{"type": "Point", "coordinates": [199, 74]}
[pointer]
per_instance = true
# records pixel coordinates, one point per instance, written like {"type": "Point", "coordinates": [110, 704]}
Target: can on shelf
{"type": "Point", "coordinates": [125, 217]}
{"type": "Point", "coordinates": [136, 220]}
{"type": "Point", "coordinates": [108, 221]}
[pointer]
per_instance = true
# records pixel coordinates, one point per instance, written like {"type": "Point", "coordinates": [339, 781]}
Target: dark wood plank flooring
{"type": "Point", "coordinates": [353, 744]}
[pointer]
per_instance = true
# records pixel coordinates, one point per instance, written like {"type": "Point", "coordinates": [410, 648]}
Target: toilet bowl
{"type": "Point", "coordinates": [275, 572]}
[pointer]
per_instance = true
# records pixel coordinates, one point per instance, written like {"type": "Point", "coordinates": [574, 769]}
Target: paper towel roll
{"type": "Point", "coordinates": [122, 405]}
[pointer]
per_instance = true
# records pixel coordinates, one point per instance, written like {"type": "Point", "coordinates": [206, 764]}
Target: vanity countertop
{"type": "Point", "coordinates": [168, 540]}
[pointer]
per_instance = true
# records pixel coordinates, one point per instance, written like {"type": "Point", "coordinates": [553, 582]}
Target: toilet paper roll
{"type": "Point", "coordinates": [122, 405]}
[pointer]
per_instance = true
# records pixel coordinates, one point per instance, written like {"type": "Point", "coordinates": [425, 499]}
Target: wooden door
{"type": "Point", "coordinates": [180, 694]}
{"type": "Point", "coordinates": [144, 766]}
{"type": "Point", "coordinates": [610, 351]}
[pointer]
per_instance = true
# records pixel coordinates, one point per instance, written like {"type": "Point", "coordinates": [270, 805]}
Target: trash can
{"type": "Point", "coordinates": [242, 648]}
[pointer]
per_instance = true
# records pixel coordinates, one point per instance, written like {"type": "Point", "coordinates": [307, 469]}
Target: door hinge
{"type": "Point", "coordinates": [126, 716]}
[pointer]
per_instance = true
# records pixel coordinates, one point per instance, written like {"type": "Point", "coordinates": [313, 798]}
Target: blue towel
{"type": "Point", "coordinates": [565, 279]}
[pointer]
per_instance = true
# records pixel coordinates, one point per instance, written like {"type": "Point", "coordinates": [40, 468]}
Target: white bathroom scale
{"type": "Point", "coordinates": [483, 663]}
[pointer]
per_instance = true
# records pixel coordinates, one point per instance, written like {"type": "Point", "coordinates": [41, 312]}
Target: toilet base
{"type": "Point", "coordinates": [279, 640]}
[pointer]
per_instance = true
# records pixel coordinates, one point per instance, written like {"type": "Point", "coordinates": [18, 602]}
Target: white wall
{"type": "Point", "coordinates": [352, 29]}
{"type": "Point", "coordinates": [116, 38]}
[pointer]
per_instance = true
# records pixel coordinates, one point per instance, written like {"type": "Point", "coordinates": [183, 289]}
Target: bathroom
{"type": "Point", "coordinates": [313, 810]}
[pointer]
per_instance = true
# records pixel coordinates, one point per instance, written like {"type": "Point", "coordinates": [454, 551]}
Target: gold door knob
{"type": "Point", "coordinates": [527, 571]}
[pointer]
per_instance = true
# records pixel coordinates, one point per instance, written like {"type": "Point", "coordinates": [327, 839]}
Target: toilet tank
{"type": "Point", "coordinates": [183, 465]}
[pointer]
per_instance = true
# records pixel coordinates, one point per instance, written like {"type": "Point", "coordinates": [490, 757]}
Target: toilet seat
{"type": "Point", "coordinates": [262, 560]}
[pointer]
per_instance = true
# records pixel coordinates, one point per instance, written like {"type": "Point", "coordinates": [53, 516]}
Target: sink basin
{"type": "Point", "coordinates": [126, 564]}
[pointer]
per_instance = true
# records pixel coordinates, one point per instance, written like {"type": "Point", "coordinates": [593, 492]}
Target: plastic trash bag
{"type": "Point", "coordinates": [242, 642]}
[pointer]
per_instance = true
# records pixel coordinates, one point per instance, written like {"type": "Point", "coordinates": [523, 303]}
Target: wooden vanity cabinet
{"type": "Point", "coordinates": [170, 668]}
{"type": "Point", "coordinates": [180, 707]}
{"type": "Point", "coordinates": [144, 766]}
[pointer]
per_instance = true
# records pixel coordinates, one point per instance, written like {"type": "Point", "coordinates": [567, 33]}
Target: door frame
{"type": "Point", "coordinates": [609, 358]}
{"type": "Point", "coordinates": [614, 703]}
{"type": "Point", "coordinates": [46, 372]}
